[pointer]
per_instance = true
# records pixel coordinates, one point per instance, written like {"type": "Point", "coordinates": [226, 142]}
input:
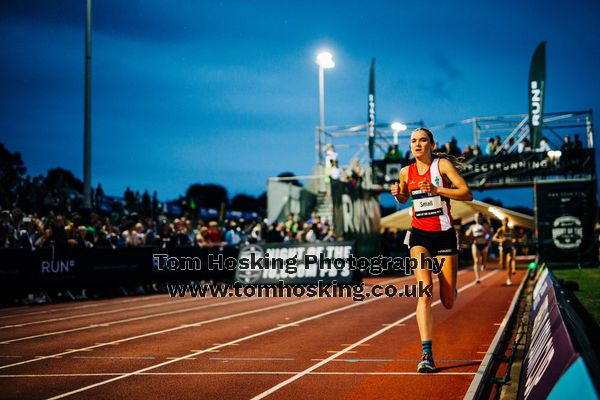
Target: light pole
{"type": "Point", "coordinates": [397, 127]}
{"type": "Point", "coordinates": [87, 113]}
{"type": "Point", "coordinates": [325, 61]}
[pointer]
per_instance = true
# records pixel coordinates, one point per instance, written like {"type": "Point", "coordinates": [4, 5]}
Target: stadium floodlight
{"type": "Point", "coordinates": [397, 127]}
{"type": "Point", "coordinates": [554, 154]}
{"type": "Point", "coordinates": [325, 61]}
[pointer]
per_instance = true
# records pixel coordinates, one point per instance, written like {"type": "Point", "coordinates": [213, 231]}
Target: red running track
{"type": "Point", "coordinates": [285, 348]}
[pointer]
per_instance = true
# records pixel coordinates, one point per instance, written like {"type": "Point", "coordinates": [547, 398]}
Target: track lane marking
{"type": "Point", "coordinates": [347, 349]}
{"type": "Point", "coordinates": [104, 302]}
{"type": "Point", "coordinates": [349, 360]}
{"type": "Point", "coordinates": [208, 350]}
{"type": "Point", "coordinates": [251, 359]}
{"type": "Point", "coordinates": [261, 333]}
{"type": "Point", "coordinates": [355, 360]}
{"type": "Point", "coordinates": [123, 321]}
{"type": "Point", "coordinates": [19, 325]}
{"type": "Point", "coordinates": [230, 373]}
{"type": "Point", "coordinates": [198, 324]}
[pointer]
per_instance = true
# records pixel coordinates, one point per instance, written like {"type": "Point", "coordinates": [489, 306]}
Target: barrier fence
{"type": "Point", "coordinates": [57, 269]}
{"type": "Point", "coordinates": [558, 356]}
{"type": "Point", "coordinates": [96, 269]}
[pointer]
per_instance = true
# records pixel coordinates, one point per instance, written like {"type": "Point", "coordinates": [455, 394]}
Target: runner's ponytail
{"type": "Point", "coordinates": [457, 162]}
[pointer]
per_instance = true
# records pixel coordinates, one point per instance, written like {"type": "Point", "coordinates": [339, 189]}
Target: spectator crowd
{"type": "Point", "coordinates": [494, 146]}
{"type": "Point", "coordinates": [19, 230]}
{"type": "Point", "coordinates": [42, 217]}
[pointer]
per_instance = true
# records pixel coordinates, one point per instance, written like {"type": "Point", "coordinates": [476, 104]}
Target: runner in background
{"type": "Point", "coordinates": [430, 182]}
{"type": "Point", "coordinates": [488, 236]}
{"type": "Point", "coordinates": [506, 238]}
{"type": "Point", "coordinates": [480, 232]}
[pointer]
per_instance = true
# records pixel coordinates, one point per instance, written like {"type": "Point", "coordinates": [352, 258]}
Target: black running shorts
{"type": "Point", "coordinates": [444, 243]}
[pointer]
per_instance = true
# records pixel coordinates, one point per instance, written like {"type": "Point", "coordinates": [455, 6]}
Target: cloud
{"type": "Point", "coordinates": [442, 63]}
{"type": "Point", "coordinates": [437, 87]}
{"type": "Point", "coordinates": [153, 21]}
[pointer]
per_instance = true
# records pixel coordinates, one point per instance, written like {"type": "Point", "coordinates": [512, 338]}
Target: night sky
{"type": "Point", "coordinates": [227, 92]}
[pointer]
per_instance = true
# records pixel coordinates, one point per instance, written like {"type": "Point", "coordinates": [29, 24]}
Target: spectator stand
{"type": "Point", "coordinates": [556, 159]}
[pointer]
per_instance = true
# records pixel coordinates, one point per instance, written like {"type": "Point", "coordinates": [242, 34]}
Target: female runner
{"type": "Point", "coordinates": [428, 182]}
{"type": "Point", "coordinates": [480, 232]}
{"type": "Point", "coordinates": [506, 238]}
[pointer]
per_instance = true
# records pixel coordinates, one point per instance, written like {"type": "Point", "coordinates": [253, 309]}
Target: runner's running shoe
{"type": "Point", "coordinates": [426, 365]}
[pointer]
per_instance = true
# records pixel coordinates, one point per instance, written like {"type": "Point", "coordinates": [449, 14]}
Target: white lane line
{"type": "Point", "coordinates": [177, 299]}
{"type": "Point", "coordinates": [356, 344]}
{"type": "Point", "coordinates": [212, 373]}
{"type": "Point", "coordinates": [251, 359]}
{"type": "Point", "coordinates": [210, 349]}
{"type": "Point", "coordinates": [114, 357]}
{"type": "Point", "coordinates": [197, 324]}
{"type": "Point", "coordinates": [120, 321]}
{"type": "Point", "coordinates": [137, 307]}
{"type": "Point", "coordinates": [356, 360]}
{"type": "Point", "coordinates": [346, 360]}
{"type": "Point", "coordinates": [97, 303]}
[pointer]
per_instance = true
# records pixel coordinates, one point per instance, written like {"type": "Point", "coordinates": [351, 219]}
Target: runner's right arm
{"type": "Point", "coordinates": [400, 190]}
{"type": "Point", "coordinates": [497, 238]}
{"type": "Point", "coordinates": [469, 232]}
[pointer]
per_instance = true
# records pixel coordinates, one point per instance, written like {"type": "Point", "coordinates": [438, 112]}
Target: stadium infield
{"type": "Point", "coordinates": [588, 280]}
{"type": "Point", "coordinates": [161, 347]}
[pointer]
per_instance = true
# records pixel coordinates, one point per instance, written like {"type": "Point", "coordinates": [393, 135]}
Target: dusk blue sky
{"type": "Point", "coordinates": [227, 92]}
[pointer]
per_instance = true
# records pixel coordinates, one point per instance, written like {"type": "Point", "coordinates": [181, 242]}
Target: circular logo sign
{"type": "Point", "coordinates": [249, 275]}
{"type": "Point", "coordinates": [567, 232]}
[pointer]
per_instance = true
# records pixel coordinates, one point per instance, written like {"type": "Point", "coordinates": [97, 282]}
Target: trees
{"type": "Point", "coordinates": [12, 170]}
{"type": "Point", "coordinates": [208, 196]}
{"type": "Point", "coordinates": [61, 179]}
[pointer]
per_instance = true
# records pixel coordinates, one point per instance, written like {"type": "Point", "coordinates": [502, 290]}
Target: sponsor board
{"type": "Point", "coordinates": [356, 216]}
{"type": "Point", "coordinates": [57, 266]}
{"type": "Point", "coordinates": [550, 351]}
{"type": "Point", "coordinates": [294, 263]}
{"type": "Point", "coordinates": [566, 215]}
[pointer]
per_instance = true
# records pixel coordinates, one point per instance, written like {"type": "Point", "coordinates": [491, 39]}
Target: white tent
{"type": "Point", "coordinates": [465, 210]}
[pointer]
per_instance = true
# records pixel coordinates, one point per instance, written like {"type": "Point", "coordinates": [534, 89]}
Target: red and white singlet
{"type": "Point", "coordinates": [429, 212]}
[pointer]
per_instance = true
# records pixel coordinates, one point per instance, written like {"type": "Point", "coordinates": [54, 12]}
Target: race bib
{"type": "Point", "coordinates": [426, 204]}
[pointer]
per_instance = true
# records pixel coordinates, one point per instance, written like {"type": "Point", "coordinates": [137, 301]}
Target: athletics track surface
{"type": "Point", "coordinates": [242, 348]}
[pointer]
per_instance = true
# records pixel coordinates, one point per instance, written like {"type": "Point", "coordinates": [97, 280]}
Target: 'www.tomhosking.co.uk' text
{"type": "Point", "coordinates": [357, 292]}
